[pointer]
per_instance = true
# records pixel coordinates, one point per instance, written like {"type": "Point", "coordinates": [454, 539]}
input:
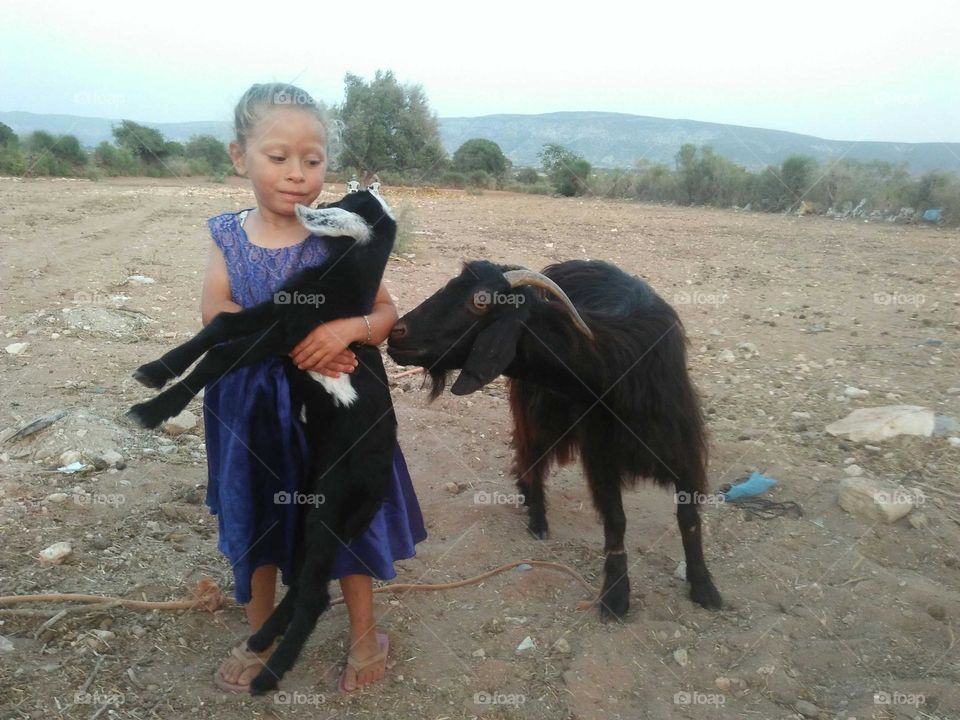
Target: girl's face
{"type": "Point", "coordinates": [284, 158]}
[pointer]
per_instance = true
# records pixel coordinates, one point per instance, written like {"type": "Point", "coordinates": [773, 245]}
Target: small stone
{"type": "Point", "coordinates": [453, 488]}
{"type": "Point", "coordinates": [681, 571]}
{"type": "Point", "coordinates": [807, 709]}
{"type": "Point", "coordinates": [917, 520]}
{"type": "Point", "coordinates": [16, 348]}
{"type": "Point", "coordinates": [875, 500]}
{"type": "Point", "coordinates": [937, 612]}
{"type": "Point", "coordinates": [953, 391]}
{"type": "Point", "coordinates": [954, 441]}
{"type": "Point", "coordinates": [722, 683]}
{"type": "Point", "coordinates": [56, 554]}
{"type": "Point", "coordinates": [69, 457]}
{"type": "Point", "coordinates": [681, 657]}
{"type": "Point", "coordinates": [57, 497]}
{"type": "Point", "coordinates": [801, 415]}
{"type": "Point", "coordinates": [152, 525]}
{"type": "Point", "coordinates": [854, 392]}
{"type": "Point", "coordinates": [727, 356]}
{"type": "Point", "coordinates": [167, 449]}
{"type": "Point", "coordinates": [180, 424]}
{"type": "Point", "coordinates": [481, 653]}
{"type": "Point", "coordinates": [100, 542]}
{"type": "Point", "coordinates": [141, 279]}
{"type": "Point", "coordinates": [561, 646]}
{"type": "Point", "coordinates": [853, 470]}
{"type": "Point", "coordinates": [193, 496]}
{"type": "Point", "coordinates": [526, 644]}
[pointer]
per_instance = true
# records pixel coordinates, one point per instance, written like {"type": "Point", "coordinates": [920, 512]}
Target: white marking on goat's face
{"type": "Point", "coordinates": [333, 222]}
{"type": "Point", "coordinates": [340, 388]}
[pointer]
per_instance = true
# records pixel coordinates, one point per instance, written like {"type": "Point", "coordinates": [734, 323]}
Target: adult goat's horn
{"type": "Point", "coordinates": [516, 278]}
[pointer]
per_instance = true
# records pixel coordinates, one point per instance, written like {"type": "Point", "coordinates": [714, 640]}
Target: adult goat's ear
{"type": "Point", "coordinates": [494, 349]}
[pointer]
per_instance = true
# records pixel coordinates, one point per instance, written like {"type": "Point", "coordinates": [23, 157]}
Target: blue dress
{"type": "Point", "coordinates": [256, 446]}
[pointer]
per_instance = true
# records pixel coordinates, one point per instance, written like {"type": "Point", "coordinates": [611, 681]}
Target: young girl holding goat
{"type": "Point", "coordinates": [256, 447]}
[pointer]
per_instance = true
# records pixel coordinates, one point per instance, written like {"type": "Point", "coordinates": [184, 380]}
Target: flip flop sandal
{"type": "Point", "coordinates": [384, 641]}
{"type": "Point", "coordinates": [248, 659]}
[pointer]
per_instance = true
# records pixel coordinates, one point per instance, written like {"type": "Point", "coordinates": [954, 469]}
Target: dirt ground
{"type": "Point", "coordinates": [827, 615]}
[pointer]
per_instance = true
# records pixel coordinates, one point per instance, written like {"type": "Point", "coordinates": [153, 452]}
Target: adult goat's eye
{"type": "Point", "coordinates": [480, 302]}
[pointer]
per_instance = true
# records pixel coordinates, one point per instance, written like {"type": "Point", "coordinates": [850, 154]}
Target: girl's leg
{"type": "Point", "coordinates": [263, 586]}
{"type": "Point", "coordinates": [358, 597]}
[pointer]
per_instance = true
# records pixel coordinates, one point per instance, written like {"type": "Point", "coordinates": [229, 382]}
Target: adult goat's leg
{"type": "Point", "coordinates": [702, 589]}
{"type": "Point", "coordinates": [224, 327]}
{"type": "Point", "coordinates": [603, 476]}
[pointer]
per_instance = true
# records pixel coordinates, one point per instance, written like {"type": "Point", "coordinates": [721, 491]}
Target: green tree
{"type": "Point", "coordinates": [387, 125]}
{"type": "Point", "coordinates": [146, 143]}
{"type": "Point", "coordinates": [8, 137]}
{"type": "Point", "coordinates": [567, 170]}
{"type": "Point", "coordinates": [481, 154]}
{"type": "Point", "coordinates": [209, 148]}
{"type": "Point", "coordinates": [798, 173]}
{"type": "Point", "coordinates": [527, 176]}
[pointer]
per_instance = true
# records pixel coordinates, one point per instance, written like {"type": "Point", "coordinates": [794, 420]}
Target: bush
{"type": "Point", "coordinates": [527, 176]}
{"type": "Point", "coordinates": [209, 149]}
{"type": "Point", "coordinates": [479, 155]}
{"type": "Point", "coordinates": [568, 171]}
{"type": "Point", "coordinates": [481, 179]}
{"type": "Point", "coordinates": [453, 179]}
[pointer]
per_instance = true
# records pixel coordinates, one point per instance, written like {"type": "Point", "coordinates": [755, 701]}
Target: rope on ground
{"type": "Point", "coordinates": [207, 595]}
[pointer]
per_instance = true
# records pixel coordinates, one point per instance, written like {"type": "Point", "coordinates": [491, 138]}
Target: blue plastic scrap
{"type": "Point", "coordinates": [756, 484]}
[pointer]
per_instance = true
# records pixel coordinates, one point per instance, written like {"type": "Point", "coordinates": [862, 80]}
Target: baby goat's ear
{"type": "Point", "coordinates": [333, 222]}
{"type": "Point", "coordinates": [494, 349]}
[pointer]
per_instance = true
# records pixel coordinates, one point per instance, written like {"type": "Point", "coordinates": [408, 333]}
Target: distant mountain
{"type": "Point", "coordinates": [606, 139]}
{"type": "Point", "coordinates": [616, 140]}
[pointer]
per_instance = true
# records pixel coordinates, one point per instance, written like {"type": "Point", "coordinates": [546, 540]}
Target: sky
{"type": "Point", "coordinates": [838, 70]}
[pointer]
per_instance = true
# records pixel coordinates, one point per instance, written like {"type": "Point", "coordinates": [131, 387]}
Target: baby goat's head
{"type": "Point", "coordinates": [473, 323]}
{"type": "Point", "coordinates": [355, 215]}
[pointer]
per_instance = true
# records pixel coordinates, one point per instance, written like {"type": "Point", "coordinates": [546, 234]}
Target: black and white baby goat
{"type": "Point", "coordinates": [350, 424]}
{"type": "Point", "coordinates": [597, 367]}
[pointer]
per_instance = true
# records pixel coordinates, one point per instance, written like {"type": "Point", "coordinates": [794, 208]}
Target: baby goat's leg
{"type": "Point", "coordinates": [313, 598]}
{"type": "Point", "coordinates": [276, 624]}
{"type": "Point", "coordinates": [217, 363]}
{"type": "Point", "coordinates": [224, 327]}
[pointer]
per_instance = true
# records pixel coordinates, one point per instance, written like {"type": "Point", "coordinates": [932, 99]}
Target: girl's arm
{"type": "Point", "coordinates": [319, 351]}
{"type": "Point", "coordinates": [215, 297]}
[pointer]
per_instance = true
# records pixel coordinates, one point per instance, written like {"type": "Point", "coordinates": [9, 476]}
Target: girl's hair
{"type": "Point", "coordinates": [263, 97]}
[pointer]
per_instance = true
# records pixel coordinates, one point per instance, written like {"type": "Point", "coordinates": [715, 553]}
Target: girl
{"type": "Point", "coordinates": [255, 445]}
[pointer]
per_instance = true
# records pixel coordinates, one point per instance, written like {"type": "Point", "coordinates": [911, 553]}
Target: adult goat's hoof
{"type": "Point", "coordinates": [263, 683]}
{"type": "Point", "coordinates": [706, 594]}
{"type": "Point", "coordinates": [154, 375]}
{"type": "Point", "coordinates": [538, 528]}
{"type": "Point", "coordinates": [614, 599]}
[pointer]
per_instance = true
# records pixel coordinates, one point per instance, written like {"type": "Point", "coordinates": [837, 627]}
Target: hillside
{"type": "Point", "coordinates": [605, 139]}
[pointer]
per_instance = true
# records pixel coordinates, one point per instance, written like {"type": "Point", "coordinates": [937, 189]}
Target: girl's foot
{"type": "Point", "coordinates": [367, 662]}
{"type": "Point", "coordinates": [240, 668]}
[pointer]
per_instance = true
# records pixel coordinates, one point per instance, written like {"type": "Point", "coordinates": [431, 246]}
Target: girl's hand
{"type": "Point", "coordinates": [324, 349]}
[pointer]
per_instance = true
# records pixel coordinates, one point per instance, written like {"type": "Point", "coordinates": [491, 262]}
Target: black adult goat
{"type": "Point", "coordinates": [350, 425]}
{"type": "Point", "coordinates": [598, 369]}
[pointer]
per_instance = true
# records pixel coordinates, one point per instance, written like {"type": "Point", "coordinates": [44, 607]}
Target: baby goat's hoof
{"type": "Point", "coordinates": [145, 416]}
{"type": "Point", "coordinates": [154, 375]}
{"type": "Point", "coordinates": [706, 594]}
{"type": "Point", "coordinates": [263, 683]}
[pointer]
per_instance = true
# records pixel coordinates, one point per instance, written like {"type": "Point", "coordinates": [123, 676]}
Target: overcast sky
{"type": "Point", "coordinates": [844, 71]}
